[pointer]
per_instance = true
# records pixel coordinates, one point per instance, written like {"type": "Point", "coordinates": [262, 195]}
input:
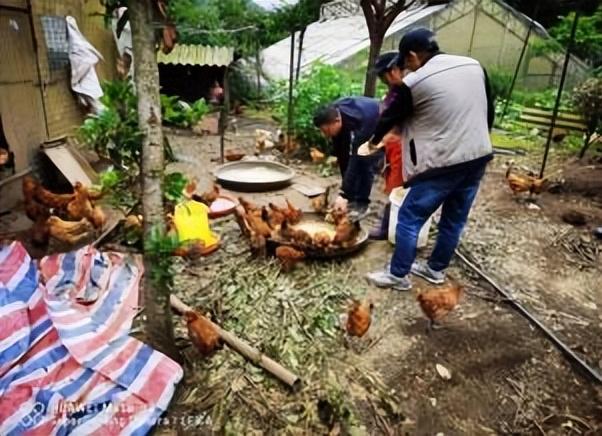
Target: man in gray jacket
{"type": "Point", "coordinates": [446, 111]}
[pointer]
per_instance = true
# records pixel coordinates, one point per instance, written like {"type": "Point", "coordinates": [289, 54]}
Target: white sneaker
{"type": "Point", "coordinates": [427, 273]}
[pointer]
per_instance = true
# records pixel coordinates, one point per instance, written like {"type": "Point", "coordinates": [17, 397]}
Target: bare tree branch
{"type": "Point", "coordinates": [394, 11]}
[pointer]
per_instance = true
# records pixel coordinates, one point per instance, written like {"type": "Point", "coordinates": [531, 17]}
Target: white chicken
{"type": "Point", "coordinates": [264, 140]}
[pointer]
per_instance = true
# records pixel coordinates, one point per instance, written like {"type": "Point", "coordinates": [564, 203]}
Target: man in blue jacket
{"type": "Point", "coordinates": [348, 123]}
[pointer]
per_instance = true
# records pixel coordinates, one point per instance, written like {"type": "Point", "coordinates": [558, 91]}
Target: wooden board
{"type": "Point", "coordinates": [72, 164]}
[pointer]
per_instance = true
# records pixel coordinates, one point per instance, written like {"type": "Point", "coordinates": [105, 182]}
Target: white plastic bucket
{"type": "Point", "coordinates": [396, 197]}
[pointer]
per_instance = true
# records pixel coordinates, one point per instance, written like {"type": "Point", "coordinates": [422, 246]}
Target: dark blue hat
{"type": "Point", "coordinates": [385, 62]}
{"type": "Point", "coordinates": [417, 40]}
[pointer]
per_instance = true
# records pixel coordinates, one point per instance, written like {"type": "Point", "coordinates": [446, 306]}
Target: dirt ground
{"type": "Point", "coordinates": [506, 376]}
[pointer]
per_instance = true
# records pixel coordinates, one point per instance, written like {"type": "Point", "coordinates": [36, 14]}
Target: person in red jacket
{"type": "Point", "coordinates": [389, 73]}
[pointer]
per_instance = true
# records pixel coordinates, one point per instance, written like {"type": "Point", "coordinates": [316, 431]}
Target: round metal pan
{"type": "Point", "coordinates": [331, 252]}
{"type": "Point", "coordinates": [254, 176]}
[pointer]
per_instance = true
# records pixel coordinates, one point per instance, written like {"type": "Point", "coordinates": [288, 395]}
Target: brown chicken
{"type": "Point", "coordinates": [257, 243]}
{"type": "Point", "coordinates": [35, 211]}
{"type": "Point", "coordinates": [289, 257]}
{"type": "Point", "coordinates": [359, 318]}
{"type": "Point", "coordinates": [297, 236]}
{"type": "Point", "coordinates": [249, 207]}
{"type": "Point", "coordinates": [203, 333]}
{"type": "Point", "coordinates": [346, 232]}
{"type": "Point", "coordinates": [70, 232]}
{"type": "Point", "coordinates": [98, 217]}
{"type": "Point", "coordinates": [258, 225]}
{"type": "Point", "coordinates": [320, 203]}
{"type": "Point", "coordinates": [210, 196]}
{"type": "Point", "coordinates": [522, 183]}
{"type": "Point", "coordinates": [233, 157]}
{"type": "Point", "coordinates": [316, 155]}
{"type": "Point", "coordinates": [191, 251]}
{"type": "Point", "coordinates": [275, 216]}
{"type": "Point", "coordinates": [437, 303]}
{"type": "Point", "coordinates": [81, 206]}
{"type": "Point", "coordinates": [29, 186]}
{"type": "Point", "coordinates": [33, 189]}
{"type": "Point", "coordinates": [538, 185]}
{"type": "Point", "coordinates": [293, 215]}
{"type": "Point", "coordinates": [321, 239]}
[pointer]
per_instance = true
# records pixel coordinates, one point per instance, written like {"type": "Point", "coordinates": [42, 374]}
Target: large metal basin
{"type": "Point", "coordinates": [254, 176]}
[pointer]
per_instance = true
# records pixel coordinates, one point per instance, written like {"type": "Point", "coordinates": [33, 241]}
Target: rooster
{"type": "Point", "coordinates": [289, 257]}
{"type": "Point", "coordinates": [203, 333]}
{"type": "Point", "coordinates": [437, 303]}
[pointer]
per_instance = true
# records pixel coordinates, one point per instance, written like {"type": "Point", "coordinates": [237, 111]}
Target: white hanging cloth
{"type": "Point", "coordinates": [83, 58]}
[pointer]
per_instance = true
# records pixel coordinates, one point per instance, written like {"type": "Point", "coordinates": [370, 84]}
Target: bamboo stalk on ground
{"type": "Point", "coordinates": [247, 351]}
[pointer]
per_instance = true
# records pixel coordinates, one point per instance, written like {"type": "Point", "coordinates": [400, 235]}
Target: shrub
{"type": "Point", "coordinates": [114, 133]}
{"type": "Point", "coordinates": [180, 114]}
{"type": "Point", "coordinates": [322, 85]}
{"type": "Point", "coordinates": [500, 82]}
{"type": "Point", "coordinates": [587, 98]}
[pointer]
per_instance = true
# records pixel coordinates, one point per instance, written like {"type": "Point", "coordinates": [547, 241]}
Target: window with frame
{"type": "Point", "coordinates": [57, 44]}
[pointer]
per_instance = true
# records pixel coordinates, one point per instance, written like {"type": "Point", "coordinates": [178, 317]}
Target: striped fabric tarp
{"type": "Point", "coordinates": [67, 364]}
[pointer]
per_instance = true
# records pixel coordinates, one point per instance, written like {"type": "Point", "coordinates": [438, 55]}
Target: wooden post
{"type": "Point", "coordinates": [223, 120]}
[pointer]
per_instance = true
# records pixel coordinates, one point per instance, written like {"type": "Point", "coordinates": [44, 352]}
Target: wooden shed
{"type": "Point", "coordinates": [36, 101]}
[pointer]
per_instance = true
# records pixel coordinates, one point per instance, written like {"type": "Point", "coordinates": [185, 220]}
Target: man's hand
{"type": "Point", "coordinates": [367, 148]}
{"type": "Point", "coordinates": [340, 204]}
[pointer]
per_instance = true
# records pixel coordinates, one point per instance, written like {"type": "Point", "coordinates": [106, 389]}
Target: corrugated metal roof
{"type": "Point", "coordinates": [334, 40]}
{"type": "Point", "coordinates": [184, 54]}
{"type": "Point", "coordinates": [272, 5]}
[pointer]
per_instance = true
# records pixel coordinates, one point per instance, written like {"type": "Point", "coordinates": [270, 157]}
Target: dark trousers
{"type": "Point", "coordinates": [456, 192]}
{"type": "Point", "coordinates": [358, 173]}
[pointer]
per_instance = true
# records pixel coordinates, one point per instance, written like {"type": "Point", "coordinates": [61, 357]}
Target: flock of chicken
{"type": "Point", "coordinates": [261, 223]}
{"type": "Point", "coordinates": [68, 218]}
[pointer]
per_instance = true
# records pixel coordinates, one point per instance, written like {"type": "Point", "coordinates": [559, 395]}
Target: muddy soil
{"type": "Point", "coordinates": [506, 376]}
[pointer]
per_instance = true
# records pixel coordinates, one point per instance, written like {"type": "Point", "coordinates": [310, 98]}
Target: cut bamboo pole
{"type": "Point", "coordinates": [247, 351]}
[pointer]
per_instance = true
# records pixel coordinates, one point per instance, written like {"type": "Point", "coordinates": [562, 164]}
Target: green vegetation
{"type": "Point", "coordinates": [181, 114]}
{"type": "Point", "coordinates": [321, 86]}
{"type": "Point", "coordinates": [114, 133]}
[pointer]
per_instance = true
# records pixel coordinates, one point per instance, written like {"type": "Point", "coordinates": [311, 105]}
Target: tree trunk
{"type": "Point", "coordinates": [301, 36]}
{"type": "Point", "coordinates": [376, 42]}
{"type": "Point", "coordinates": [159, 328]}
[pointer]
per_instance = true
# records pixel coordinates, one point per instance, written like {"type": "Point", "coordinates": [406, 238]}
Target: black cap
{"type": "Point", "coordinates": [417, 40]}
{"type": "Point", "coordinates": [385, 62]}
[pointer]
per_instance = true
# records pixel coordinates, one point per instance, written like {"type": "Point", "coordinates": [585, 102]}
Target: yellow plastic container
{"type": "Point", "coordinates": [191, 219]}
